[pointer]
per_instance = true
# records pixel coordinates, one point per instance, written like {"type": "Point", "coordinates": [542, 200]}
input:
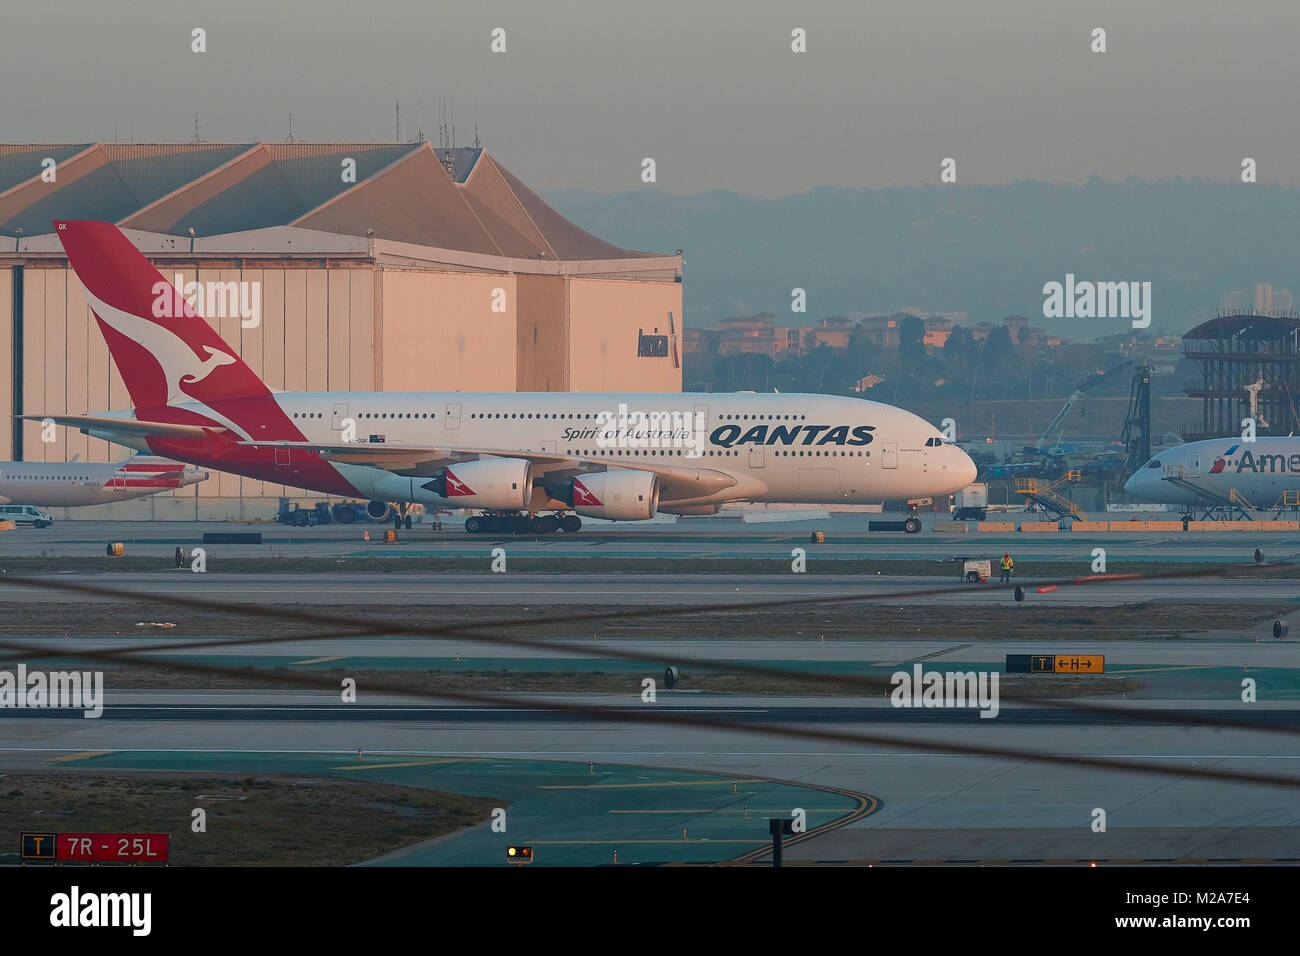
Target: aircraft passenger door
{"type": "Point", "coordinates": [453, 415]}
{"type": "Point", "coordinates": [699, 429]}
{"type": "Point", "coordinates": [889, 455]}
{"type": "Point", "coordinates": [1193, 463]}
{"type": "Point", "coordinates": [338, 416]}
{"type": "Point", "coordinates": [755, 456]}
{"type": "Point", "coordinates": [282, 457]}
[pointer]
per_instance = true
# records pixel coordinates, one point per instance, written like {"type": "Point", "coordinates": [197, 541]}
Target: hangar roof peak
{"type": "Point", "coordinates": [455, 198]}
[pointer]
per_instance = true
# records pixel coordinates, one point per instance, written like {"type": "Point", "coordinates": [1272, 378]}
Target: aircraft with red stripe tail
{"type": "Point", "coordinates": [70, 484]}
{"type": "Point", "coordinates": [530, 461]}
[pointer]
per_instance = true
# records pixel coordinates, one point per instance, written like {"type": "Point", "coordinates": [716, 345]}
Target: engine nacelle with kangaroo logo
{"type": "Point", "coordinates": [618, 495]}
{"type": "Point", "coordinates": [504, 483]}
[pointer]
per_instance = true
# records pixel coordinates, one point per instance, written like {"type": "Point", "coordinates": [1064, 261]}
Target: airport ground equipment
{"type": "Point", "coordinates": [971, 503]}
{"type": "Point", "coordinates": [1046, 497]}
{"type": "Point", "coordinates": [297, 516]}
{"type": "Point", "coordinates": [349, 512]}
{"type": "Point", "coordinates": [976, 570]}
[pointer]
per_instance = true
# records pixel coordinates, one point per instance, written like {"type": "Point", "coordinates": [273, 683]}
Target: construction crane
{"type": "Point", "coordinates": [1049, 443]}
{"type": "Point", "coordinates": [1137, 422]}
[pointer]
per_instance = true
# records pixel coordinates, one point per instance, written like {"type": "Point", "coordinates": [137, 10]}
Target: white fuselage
{"type": "Point", "coordinates": [1220, 471]}
{"type": "Point", "coordinates": [777, 447]}
{"type": "Point", "coordinates": [72, 483]}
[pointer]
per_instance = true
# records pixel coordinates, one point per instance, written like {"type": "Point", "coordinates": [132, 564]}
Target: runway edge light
{"type": "Point", "coordinates": [519, 854]}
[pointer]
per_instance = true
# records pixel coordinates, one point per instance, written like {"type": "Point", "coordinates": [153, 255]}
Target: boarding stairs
{"type": "Point", "coordinates": [1218, 500]}
{"type": "Point", "coordinates": [1046, 497]}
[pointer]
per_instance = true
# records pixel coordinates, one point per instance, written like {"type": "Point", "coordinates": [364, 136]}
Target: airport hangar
{"type": "Point", "coordinates": [384, 267]}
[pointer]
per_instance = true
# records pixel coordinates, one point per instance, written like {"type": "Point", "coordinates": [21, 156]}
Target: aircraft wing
{"type": "Point", "coordinates": [127, 426]}
{"type": "Point", "coordinates": [425, 459]}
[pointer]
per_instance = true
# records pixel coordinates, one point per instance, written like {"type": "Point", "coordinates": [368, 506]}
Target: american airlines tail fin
{"type": "Point", "coordinates": [165, 352]}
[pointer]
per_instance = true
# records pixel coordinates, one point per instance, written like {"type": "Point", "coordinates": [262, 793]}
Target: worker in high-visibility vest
{"type": "Point", "coordinates": [1007, 565]}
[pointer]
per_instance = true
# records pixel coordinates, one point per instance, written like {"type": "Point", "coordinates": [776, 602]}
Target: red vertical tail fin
{"type": "Point", "coordinates": [165, 352]}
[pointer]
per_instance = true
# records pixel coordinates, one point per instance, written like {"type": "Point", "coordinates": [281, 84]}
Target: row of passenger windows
{"type": "Point", "coordinates": [726, 453]}
{"type": "Point", "coordinates": [372, 415]}
{"type": "Point", "coordinates": [47, 477]}
{"type": "Point", "coordinates": [570, 415]}
{"type": "Point", "coordinates": [547, 415]}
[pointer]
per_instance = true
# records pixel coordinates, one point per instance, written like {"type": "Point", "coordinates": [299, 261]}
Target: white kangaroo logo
{"type": "Point", "coordinates": [179, 363]}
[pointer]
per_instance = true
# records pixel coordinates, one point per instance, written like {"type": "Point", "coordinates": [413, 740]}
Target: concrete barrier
{"type": "Point", "coordinates": [995, 526]}
{"type": "Point", "coordinates": [1146, 526]}
{"type": "Point", "coordinates": [1090, 526]}
{"type": "Point", "coordinates": [7, 526]}
{"type": "Point", "coordinates": [1279, 526]}
{"type": "Point", "coordinates": [950, 526]}
{"type": "Point", "coordinates": [1039, 526]}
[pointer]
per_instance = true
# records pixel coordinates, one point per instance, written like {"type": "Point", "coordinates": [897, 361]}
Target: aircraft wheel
{"type": "Point", "coordinates": [473, 524]}
{"type": "Point", "coordinates": [520, 524]}
{"type": "Point", "coordinates": [570, 524]}
{"type": "Point", "coordinates": [912, 525]}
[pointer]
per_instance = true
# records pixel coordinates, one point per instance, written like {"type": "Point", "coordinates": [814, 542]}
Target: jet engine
{"type": "Point", "coordinates": [504, 484]}
{"type": "Point", "coordinates": [619, 494]}
{"type": "Point", "coordinates": [497, 483]}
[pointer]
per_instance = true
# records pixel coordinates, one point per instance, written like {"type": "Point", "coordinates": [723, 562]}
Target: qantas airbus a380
{"type": "Point", "coordinates": [514, 455]}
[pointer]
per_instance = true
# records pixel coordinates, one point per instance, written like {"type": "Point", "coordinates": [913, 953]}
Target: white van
{"type": "Point", "coordinates": [26, 514]}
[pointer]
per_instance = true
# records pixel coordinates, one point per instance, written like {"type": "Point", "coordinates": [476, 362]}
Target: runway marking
{"type": "Point", "coordinates": [923, 657]}
{"type": "Point", "coordinates": [630, 786]}
{"type": "Point", "coordinates": [638, 842]}
{"type": "Point", "coordinates": [317, 660]}
{"type": "Point", "coordinates": [84, 755]}
{"type": "Point", "coordinates": [867, 805]}
{"type": "Point", "coordinates": [1081, 861]}
{"type": "Point", "coordinates": [388, 766]}
{"type": "Point", "coordinates": [1173, 667]}
{"type": "Point", "coordinates": [783, 811]}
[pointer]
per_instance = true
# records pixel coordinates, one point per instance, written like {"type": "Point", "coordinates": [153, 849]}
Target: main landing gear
{"type": "Point", "coordinates": [514, 522]}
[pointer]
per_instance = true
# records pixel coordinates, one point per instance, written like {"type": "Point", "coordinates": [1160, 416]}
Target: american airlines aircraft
{"type": "Point", "coordinates": [513, 455]}
{"type": "Point", "coordinates": [1220, 471]}
{"type": "Point", "coordinates": [73, 483]}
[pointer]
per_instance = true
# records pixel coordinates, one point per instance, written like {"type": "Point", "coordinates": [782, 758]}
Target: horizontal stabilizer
{"type": "Point", "coordinates": [125, 426]}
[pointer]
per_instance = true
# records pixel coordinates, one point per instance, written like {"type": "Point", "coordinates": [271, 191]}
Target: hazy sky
{"type": "Point", "coordinates": [710, 90]}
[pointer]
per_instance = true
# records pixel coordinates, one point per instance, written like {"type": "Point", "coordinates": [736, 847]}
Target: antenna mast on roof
{"type": "Point", "coordinates": [290, 139]}
{"type": "Point", "coordinates": [419, 125]}
{"type": "Point", "coordinates": [397, 123]}
{"type": "Point", "coordinates": [196, 129]}
{"type": "Point", "coordinates": [478, 144]}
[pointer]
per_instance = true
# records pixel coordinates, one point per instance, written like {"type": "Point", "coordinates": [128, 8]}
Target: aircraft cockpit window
{"type": "Point", "coordinates": [1153, 464]}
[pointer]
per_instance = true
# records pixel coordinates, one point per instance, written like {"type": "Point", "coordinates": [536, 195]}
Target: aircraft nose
{"type": "Point", "coordinates": [966, 469]}
{"type": "Point", "coordinates": [1133, 486]}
